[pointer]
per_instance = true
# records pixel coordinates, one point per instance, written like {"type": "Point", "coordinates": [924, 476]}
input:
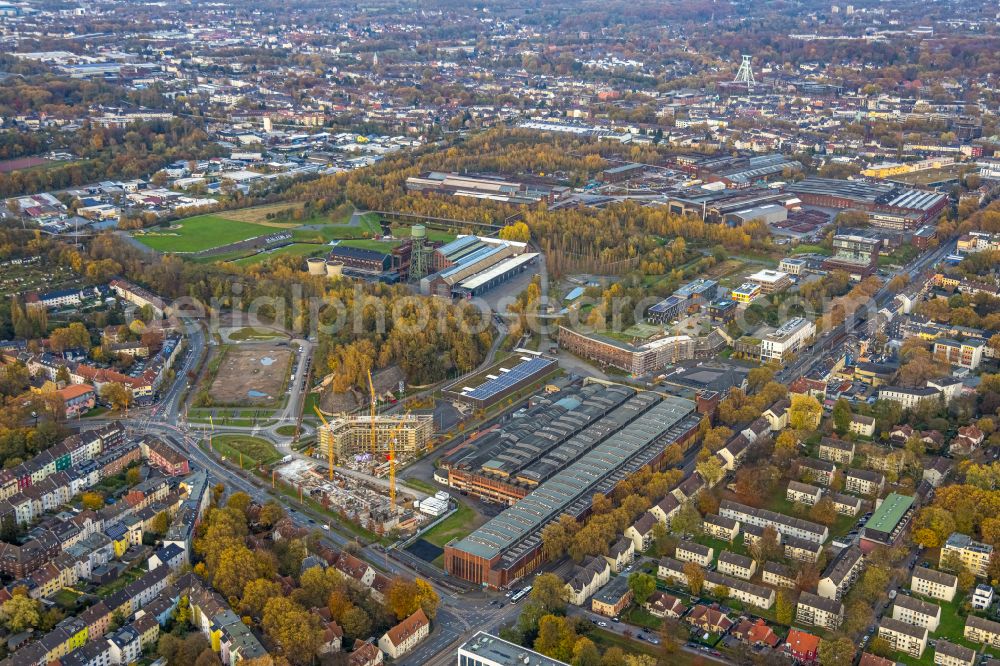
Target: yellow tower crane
{"type": "Point", "coordinates": [330, 460]}
{"type": "Point", "coordinates": [392, 462]}
{"type": "Point", "coordinates": [371, 389]}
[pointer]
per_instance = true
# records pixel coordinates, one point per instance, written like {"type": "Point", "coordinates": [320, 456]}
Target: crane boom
{"type": "Point", "coordinates": [330, 447]}
{"type": "Point", "coordinates": [392, 462]}
{"type": "Point", "coordinates": [371, 390]}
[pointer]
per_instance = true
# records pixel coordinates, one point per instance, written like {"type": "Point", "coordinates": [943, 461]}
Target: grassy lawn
{"type": "Point", "coordinates": [258, 215]}
{"type": "Point", "coordinates": [370, 244]}
{"type": "Point", "coordinates": [65, 598]}
{"type": "Point", "coordinates": [255, 451]}
{"type": "Point", "coordinates": [249, 333]}
{"type": "Point", "coordinates": [952, 627]}
{"type": "Point", "coordinates": [605, 639]}
{"type": "Point", "coordinates": [286, 430]}
{"type": "Point", "coordinates": [133, 574]}
{"type": "Point", "coordinates": [201, 232]}
{"type": "Point", "coordinates": [806, 248]}
{"type": "Point", "coordinates": [295, 250]}
{"type": "Point", "coordinates": [641, 617]}
{"type": "Point", "coordinates": [421, 485]}
{"type": "Point", "coordinates": [457, 525]}
{"type": "Point", "coordinates": [403, 231]}
{"type": "Point", "coordinates": [718, 545]}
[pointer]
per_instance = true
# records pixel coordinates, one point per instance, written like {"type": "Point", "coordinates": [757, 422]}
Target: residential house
{"type": "Point", "coordinates": [785, 525]}
{"type": "Point", "coordinates": [947, 653]}
{"type": "Point", "coordinates": [981, 630]}
{"type": "Point", "coordinates": [816, 611]}
{"type": "Point", "coordinates": [801, 549]}
{"type": "Point", "coordinates": [734, 564]}
{"type": "Point", "coordinates": [837, 451]}
{"type": "Point", "coordinates": [750, 594]}
{"type": "Point", "coordinates": [613, 598]}
{"type": "Point", "coordinates": [405, 636]}
{"type": "Point", "coordinates": [689, 551]}
{"type": "Point", "coordinates": [935, 584]}
{"type": "Point", "coordinates": [755, 634]}
{"type": "Point", "coordinates": [802, 647]}
{"type": "Point", "coordinates": [903, 637]}
{"type": "Point", "coordinates": [864, 482]}
{"type": "Point", "coordinates": [672, 571]}
{"type": "Point", "coordinates": [665, 509]}
{"type": "Point", "coordinates": [916, 612]}
{"type": "Point", "coordinates": [982, 597]}
{"type": "Point", "coordinates": [777, 415]}
{"type": "Point", "coordinates": [967, 441]}
{"type": "Point", "coordinates": [936, 470]}
{"type": "Point", "coordinates": [621, 554]}
{"type": "Point", "coordinates": [689, 488]}
{"type": "Point", "coordinates": [802, 493]}
{"type": "Point", "coordinates": [364, 654]}
{"type": "Point", "coordinates": [862, 426]}
{"type": "Point", "coordinates": [778, 575]}
{"type": "Point", "coordinates": [841, 573]}
{"type": "Point", "coordinates": [908, 397]}
{"type": "Point", "coordinates": [708, 619]}
{"type": "Point", "coordinates": [973, 554]}
{"type": "Point", "coordinates": [641, 532]}
{"type": "Point", "coordinates": [664, 606]}
{"type": "Point", "coordinates": [719, 527]}
{"type": "Point", "coordinates": [847, 505]}
{"type": "Point", "coordinates": [587, 578]}
{"type": "Point", "coordinates": [817, 471]}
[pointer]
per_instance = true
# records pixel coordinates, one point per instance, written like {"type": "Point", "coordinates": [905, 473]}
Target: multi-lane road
{"type": "Point", "coordinates": [462, 611]}
{"type": "Point", "coordinates": [460, 614]}
{"type": "Point", "coordinates": [805, 363]}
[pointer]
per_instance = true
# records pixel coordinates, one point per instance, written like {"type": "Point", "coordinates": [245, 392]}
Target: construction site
{"type": "Point", "coordinates": [363, 441]}
{"type": "Point", "coordinates": [367, 503]}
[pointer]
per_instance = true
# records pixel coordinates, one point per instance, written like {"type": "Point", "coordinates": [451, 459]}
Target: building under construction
{"type": "Point", "coordinates": [353, 435]}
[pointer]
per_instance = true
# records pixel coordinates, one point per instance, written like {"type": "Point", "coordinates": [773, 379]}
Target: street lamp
{"type": "Point", "coordinates": [34, 415]}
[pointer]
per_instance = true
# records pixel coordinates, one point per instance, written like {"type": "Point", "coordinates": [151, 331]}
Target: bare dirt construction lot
{"type": "Point", "coordinates": [251, 375]}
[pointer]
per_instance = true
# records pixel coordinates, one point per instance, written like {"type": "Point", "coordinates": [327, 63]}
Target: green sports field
{"type": "Point", "coordinates": [202, 232]}
{"type": "Point", "coordinates": [296, 249]}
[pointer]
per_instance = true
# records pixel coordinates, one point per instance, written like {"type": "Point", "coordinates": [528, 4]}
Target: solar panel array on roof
{"type": "Point", "coordinates": [667, 304]}
{"type": "Point", "coordinates": [521, 371]}
{"type": "Point", "coordinates": [608, 463]}
{"type": "Point", "coordinates": [474, 255]}
{"type": "Point", "coordinates": [458, 244]}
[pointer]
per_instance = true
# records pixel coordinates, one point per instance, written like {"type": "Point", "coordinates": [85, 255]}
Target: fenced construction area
{"type": "Point", "coordinates": [251, 375]}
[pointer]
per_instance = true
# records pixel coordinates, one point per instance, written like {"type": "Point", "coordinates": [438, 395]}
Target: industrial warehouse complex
{"type": "Point", "coordinates": [487, 388]}
{"type": "Point", "coordinates": [888, 206]}
{"type": "Point", "coordinates": [467, 267]}
{"type": "Point", "coordinates": [509, 546]}
{"type": "Point", "coordinates": [472, 265]}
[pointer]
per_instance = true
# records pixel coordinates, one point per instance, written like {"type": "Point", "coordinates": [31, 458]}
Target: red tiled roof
{"type": "Point", "coordinates": [802, 642]}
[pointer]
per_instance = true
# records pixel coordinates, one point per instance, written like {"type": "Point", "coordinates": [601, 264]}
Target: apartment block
{"type": "Point", "coordinates": [916, 612]}
{"type": "Point", "coordinates": [935, 584]}
{"type": "Point", "coordinates": [736, 565]}
{"type": "Point", "coordinates": [903, 637]}
{"type": "Point", "coordinates": [818, 611]}
{"type": "Point", "coordinates": [973, 554]}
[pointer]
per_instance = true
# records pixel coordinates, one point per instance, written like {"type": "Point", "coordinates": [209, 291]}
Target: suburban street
{"type": "Point", "coordinates": [462, 611]}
